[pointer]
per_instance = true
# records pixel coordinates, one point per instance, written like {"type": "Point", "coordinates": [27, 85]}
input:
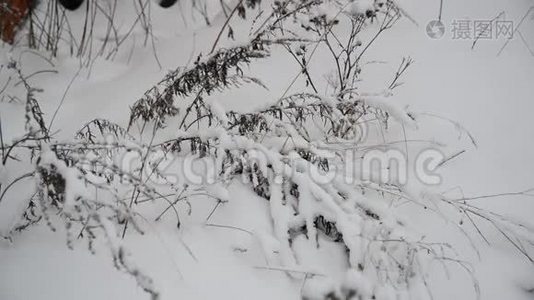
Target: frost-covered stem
{"type": "Point", "coordinates": [336, 59]}
{"type": "Point", "coordinates": [136, 192]}
{"type": "Point", "coordinates": [4, 191]}
{"type": "Point", "coordinates": [303, 68]}
{"type": "Point", "coordinates": [225, 24]}
{"type": "Point", "coordinates": [386, 24]}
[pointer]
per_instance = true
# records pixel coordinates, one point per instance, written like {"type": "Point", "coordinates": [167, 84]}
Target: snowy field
{"type": "Point", "coordinates": [466, 99]}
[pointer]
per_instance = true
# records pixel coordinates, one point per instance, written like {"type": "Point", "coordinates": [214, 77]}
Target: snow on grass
{"type": "Point", "coordinates": [244, 250]}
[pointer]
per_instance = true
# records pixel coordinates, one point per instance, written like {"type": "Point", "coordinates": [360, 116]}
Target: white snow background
{"type": "Point", "coordinates": [491, 95]}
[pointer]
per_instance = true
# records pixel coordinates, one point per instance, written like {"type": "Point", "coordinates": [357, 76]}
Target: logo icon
{"type": "Point", "coordinates": [435, 29]}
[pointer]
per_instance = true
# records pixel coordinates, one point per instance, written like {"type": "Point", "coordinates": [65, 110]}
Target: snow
{"type": "Point", "coordinates": [389, 106]}
{"type": "Point", "coordinates": [360, 7]}
{"type": "Point", "coordinates": [218, 110]}
{"type": "Point", "coordinates": [242, 251]}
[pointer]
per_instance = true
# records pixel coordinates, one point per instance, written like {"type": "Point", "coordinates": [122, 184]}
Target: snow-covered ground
{"type": "Point", "coordinates": [489, 94]}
